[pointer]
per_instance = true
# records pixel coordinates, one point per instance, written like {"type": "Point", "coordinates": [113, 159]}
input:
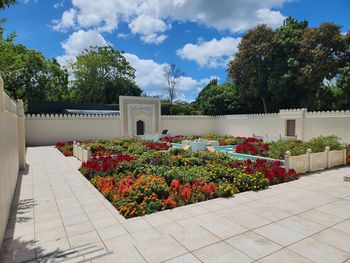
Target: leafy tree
{"type": "Point", "coordinates": [7, 3]}
{"type": "Point", "coordinates": [287, 67]}
{"type": "Point", "coordinates": [343, 85]}
{"type": "Point", "coordinates": [252, 66]}
{"type": "Point", "coordinates": [102, 74]}
{"type": "Point", "coordinates": [172, 75]}
{"type": "Point", "coordinates": [218, 99]}
{"type": "Point", "coordinates": [179, 108]}
{"type": "Point", "coordinates": [28, 75]}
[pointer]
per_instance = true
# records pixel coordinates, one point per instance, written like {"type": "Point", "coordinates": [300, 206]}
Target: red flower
{"type": "Point", "coordinates": [106, 163]}
{"type": "Point", "coordinates": [172, 138]}
{"type": "Point", "coordinates": [175, 185]}
{"type": "Point", "coordinates": [157, 146]}
{"type": "Point", "coordinates": [170, 203]}
{"type": "Point", "coordinates": [186, 193]}
{"type": "Point", "coordinates": [210, 189]}
{"type": "Point", "coordinates": [68, 153]}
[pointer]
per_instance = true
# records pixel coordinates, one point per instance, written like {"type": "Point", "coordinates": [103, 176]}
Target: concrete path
{"type": "Point", "coordinates": [58, 216]}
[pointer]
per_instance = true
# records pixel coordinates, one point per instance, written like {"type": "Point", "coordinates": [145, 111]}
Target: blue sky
{"type": "Point", "coordinates": [199, 36]}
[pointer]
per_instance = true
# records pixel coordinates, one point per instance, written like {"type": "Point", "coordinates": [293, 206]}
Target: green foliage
{"type": "Point", "coordinates": [318, 144]}
{"type": "Point", "coordinates": [286, 67]}
{"type": "Point", "coordinates": [7, 3]}
{"type": "Point", "coordinates": [28, 75]}
{"type": "Point", "coordinates": [179, 108]}
{"type": "Point", "coordinates": [343, 85]}
{"type": "Point", "coordinates": [252, 66]}
{"type": "Point", "coordinates": [226, 189]}
{"type": "Point", "coordinates": [296, 147]}
{"type": "Point", "coordinates": [218, 99]}
{"type": "Point", "coordinates": [102, 74]}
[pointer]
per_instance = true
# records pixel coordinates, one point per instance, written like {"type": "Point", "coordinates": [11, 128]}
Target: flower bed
{"type": "Point", "coordinates": [140, 177]}
{"type": "Point", "coordinates": [65, 147]}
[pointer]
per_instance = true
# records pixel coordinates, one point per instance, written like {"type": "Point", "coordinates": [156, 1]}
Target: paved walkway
{"type": "Point", "coordinates": [58, 216]}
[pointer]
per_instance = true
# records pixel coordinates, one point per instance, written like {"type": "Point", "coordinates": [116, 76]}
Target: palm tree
{"type": "Point", "coordinates": [7, 3]}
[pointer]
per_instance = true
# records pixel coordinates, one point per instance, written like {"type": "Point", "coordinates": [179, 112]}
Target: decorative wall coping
{"type": "Point", "coordinates": [337, 113]}
{"type": "Point", "coordinates": [70, 116]}
{"type": "Point", "coordinates": [188, 117]}
{"type": "Point", "coordinates": [282, 113]}
{"type": "Point", "coordinates": [293, 110]}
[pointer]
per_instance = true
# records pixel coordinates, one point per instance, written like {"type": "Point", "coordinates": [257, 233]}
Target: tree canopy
{"type": "Point", "coordinates": [7, 3]}
{"type": "Point", "coordinates": [287, 67]}
{"type": "Point", "coordinates": [101, 75]}
{"type": "Point", "coordinates": [217, 99]}
{"type": "Point", "coordinates": [29, 75]}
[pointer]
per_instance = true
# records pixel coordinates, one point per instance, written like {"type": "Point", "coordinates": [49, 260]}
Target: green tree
{"type": "Point", "coordinates": [179, 108]}
{"type": "Point", "coordinates": [287, 67]}
{"type": "Point", "coordinates": [343, 85]}
{"type": "Point", "coordinates": [252, 66]}
{"type": "Point", "coordinates": [7, 3]}
{"type": "Point", "coordinates": [101, 75]}
{"type": "Point", "coordinates": [218, 99]}
{"type": "Point", "coordinates": [28, 75]}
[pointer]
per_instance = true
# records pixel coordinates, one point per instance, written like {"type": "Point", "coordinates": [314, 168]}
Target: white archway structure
{"type": "Point", "coordinates": [136, 109]}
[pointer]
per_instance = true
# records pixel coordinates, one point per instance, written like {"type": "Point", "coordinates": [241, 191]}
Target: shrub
{"type": "Point", "coordinates": [278, 149]}
{"type": "Point", "coordinates": [296, 147]}
{"type": "Point", "coordinates": [226, 189]}
{"type": "Point", "coordinates": [318, 144]}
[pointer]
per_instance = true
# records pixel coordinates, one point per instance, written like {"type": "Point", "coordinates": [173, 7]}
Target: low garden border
{"type": "Point", "coordinates": [310, 162]}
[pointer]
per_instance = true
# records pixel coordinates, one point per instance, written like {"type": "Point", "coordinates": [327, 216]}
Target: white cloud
{"type": "Point", "coordinates": [59, 4]}
{"type": "Point", "coordinates": [122, 36]}
{"type": "Point", "coordinates": [149, 76]}
{"type": "Point", "coordinates": [79, 41]}
{"type": "Point", "coordinates": [232, 15]}
{"type": "Point", "coordinates": [68, 20]}
{"type": "Point", "coordinates": [149, 16]}
{"type": "Point", "coordinates": [213, 53]}
{"type": "Point", "coordinates": [153, 38]}
{"type": "Point", "coordinates": [148, 27]}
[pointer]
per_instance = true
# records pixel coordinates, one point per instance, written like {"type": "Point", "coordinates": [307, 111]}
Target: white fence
{"type": "Point", "coordinates": [12, 153]}
{"type": "Point", "coordinates": [310, 162]}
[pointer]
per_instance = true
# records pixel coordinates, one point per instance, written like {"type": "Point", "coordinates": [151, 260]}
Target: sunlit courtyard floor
{"type": "Point", "coordinates": [58, 216]}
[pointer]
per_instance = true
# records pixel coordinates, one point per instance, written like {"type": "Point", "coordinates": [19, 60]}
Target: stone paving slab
{"type": "Point", "coordinates": [58, 216]}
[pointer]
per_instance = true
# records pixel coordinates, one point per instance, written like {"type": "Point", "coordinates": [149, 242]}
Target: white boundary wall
{"type": "Point", "coordinates": [12, 153]}
{"type": "Point", "coordinates": [189, 125]}
{"type": "Point", "coordinates": [49, 129]}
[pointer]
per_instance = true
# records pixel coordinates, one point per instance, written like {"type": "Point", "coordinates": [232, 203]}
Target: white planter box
{"type": "Point", "coordinates": [318, 161]}
{"type": "Point", "coordinates": [300, 163]}
{"type": "Point", "coordinates": [315, 161]}
{"type": "Point", "coordinates": [336, 158]}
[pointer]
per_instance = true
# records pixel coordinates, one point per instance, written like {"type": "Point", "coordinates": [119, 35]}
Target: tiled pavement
{"type": "Point", "coordinates": [58, 216]}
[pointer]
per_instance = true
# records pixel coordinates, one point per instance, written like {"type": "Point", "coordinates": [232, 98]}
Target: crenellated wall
{"type": "Point", "coordinates": [48, 129]}
{"type": "Point", "coordinates": [12, 153]}
{"type": "Point", "coordinates": [327, 122]}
